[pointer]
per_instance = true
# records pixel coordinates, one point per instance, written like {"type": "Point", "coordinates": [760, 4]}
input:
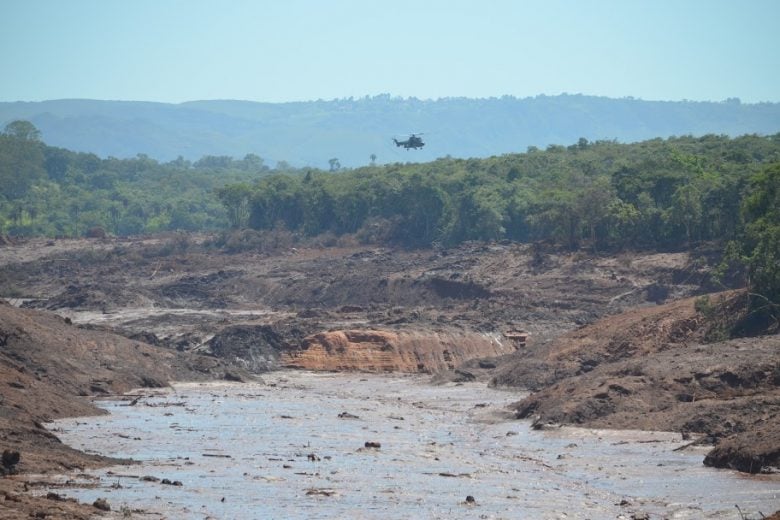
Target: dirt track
{"type": "Point", "coordinates": [185, 297]}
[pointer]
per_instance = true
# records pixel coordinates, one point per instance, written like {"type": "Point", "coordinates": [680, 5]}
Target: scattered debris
{"type": "Point", "coordinates": [10, 459]}
{"type": "Point", "coordinates": [232, 376]}
{"type": "Point", "coordinates": [451, 475]}
{"type": "Point", "coordinates": [102, 504]}
{"type": "Point", "coordinates": [322, 492]}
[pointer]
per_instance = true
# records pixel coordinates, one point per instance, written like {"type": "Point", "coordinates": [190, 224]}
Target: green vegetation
{"type": "Point", "coordinates": [757, 250]}
{"type": "Point", "coordinates": [55, 192]}
{"type": "Point", "coordinates": [654, 195]}
{"type": "Point", "coordinates": [658, 194]}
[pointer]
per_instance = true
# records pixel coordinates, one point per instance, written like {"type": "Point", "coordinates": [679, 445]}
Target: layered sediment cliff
{"type": "Point", "coordinates": [391, 351]}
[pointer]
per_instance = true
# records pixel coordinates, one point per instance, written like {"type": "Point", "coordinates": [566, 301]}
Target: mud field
{"type": "Point", "coordinates": [601, 342]}
{"type": "Point", "coordinates": [298, 447]}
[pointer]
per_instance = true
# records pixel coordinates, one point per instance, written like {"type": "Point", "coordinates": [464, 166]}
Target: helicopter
{"type": "Point", "coordinates": [414, 141]}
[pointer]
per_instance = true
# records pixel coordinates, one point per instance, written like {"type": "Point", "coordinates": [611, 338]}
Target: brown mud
{"type": "Point", "coordinates": [49, 369]}
{"type": "Point", "coordinates": [650, 368]}
{"type": "Point", "coordinates": [613, 341]}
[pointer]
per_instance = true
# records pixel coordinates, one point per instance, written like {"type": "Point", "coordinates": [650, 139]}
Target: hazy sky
{"type": "Point", "coordinates": [289, 50]}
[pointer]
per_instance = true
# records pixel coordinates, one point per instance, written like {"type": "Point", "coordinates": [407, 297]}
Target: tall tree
{"type": "Point", "coordinates": [24, 130]}
{"type": "Point", "coordinates": [761, 245]}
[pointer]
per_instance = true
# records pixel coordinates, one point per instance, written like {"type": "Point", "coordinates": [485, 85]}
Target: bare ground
{"type": "Point", "coordinates": [604, 348]}
{"type": "Point", "coordinates": [49, 369]}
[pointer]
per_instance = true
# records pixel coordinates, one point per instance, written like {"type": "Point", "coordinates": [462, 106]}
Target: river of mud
{"type": "Point", "coordinates": [321, 445]}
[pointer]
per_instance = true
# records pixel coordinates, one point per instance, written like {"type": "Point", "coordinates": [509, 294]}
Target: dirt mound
{"type": "Point", "coordinates": [484, 287]}
{"type": "Point", "coordinates": [694, 388]}
{"type": "Point", "coordinates": [93, 296]}
{"type": "Point", "coordinates": [647, 369]}
{"type": "Point", "coordinates": [258, 347]}
{"type": "Point", "coordinates": [151, 287]}
{"type": "Point", "coordinates": [206, 290]}
{"type": "Point", "coordinates": [48, 369]}
{"type": "Point", "coordinates": [635, 333]}
{"type": "Point", "coordinates": [751, 452]}
{"type": "Point", "coordinates": [65, 361]}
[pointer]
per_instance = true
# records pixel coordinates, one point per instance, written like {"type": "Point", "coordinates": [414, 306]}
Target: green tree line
{"type": "Point", "coordinates": [660, 194]}
{"type": "Point", "coordinates": [657, 194]}
{"type": "Point", "coordinates": [50, 191]}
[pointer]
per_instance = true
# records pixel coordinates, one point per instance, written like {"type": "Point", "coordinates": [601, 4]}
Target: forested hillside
{"type": "Point", "coordinates": [660, 194]}
{"type": "Point", "coordinates": [45, 190]}
{"type": "Point", "coordinates": [655, 194]}
{"type": "Point", "coordinates": [355, 130]}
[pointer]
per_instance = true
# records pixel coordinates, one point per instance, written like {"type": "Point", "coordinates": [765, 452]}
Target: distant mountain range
{"type": "Point", "coordinates": [351, 130]}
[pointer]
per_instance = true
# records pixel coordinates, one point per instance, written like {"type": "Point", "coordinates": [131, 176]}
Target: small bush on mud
{"type": "Point", "coordinates": [327, 239]}
{"type": "Point", "coordinates": [625, 261]}
{"type": "Point", "coordinates": [178, 243]}
{"type": "Point", "coordinates": [717, 321]}
{"type": "Point", "coordinates": [378, 230]}
{"type": "Point", "coordinates": [243, 240]}
{"type": "Point", "coordinates": [129, 254]}
{"type": "Point", "coordinates": [10, 291]}
{"type": "Point", "coordinates": [704, 306]}
{"type": "Point", "coordinates": [164, 249]}
{"type": "Point", "coordinates": [730, 317]}
{"type": "Point", "coordinates": [181, 242]}
{"type": "Point", "coordinates": [347, 241]}
{"type": "Point", "coordinates": [93, 257]}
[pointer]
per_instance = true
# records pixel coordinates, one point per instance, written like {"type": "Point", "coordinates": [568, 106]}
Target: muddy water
{"type": "Point", "coordinates": [281, 450]}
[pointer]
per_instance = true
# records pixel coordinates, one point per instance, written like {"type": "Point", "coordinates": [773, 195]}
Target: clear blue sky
{"type": "Point", "coordinates": [289, 50]}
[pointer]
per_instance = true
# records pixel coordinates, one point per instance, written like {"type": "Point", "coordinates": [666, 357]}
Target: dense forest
{"type": "Point", "coordinates": [657, 194]}
{"type": "Point", "coordinates": [660, 194]}
{"type": "Point", "coordinates": [51, 191]}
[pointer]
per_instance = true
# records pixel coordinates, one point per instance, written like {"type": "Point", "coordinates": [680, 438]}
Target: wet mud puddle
{"type": "Point", "coordinates": [315, 445]}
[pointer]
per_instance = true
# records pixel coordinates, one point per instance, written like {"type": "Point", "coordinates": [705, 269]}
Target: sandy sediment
{"type": "Point", "coordinates": [409, 351]}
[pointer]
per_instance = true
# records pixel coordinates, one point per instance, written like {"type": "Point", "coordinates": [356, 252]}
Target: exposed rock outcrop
{"type": "Point", "coordinates": [392, 351]}
{"type": "Point", "coordinates": [258, 347]}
